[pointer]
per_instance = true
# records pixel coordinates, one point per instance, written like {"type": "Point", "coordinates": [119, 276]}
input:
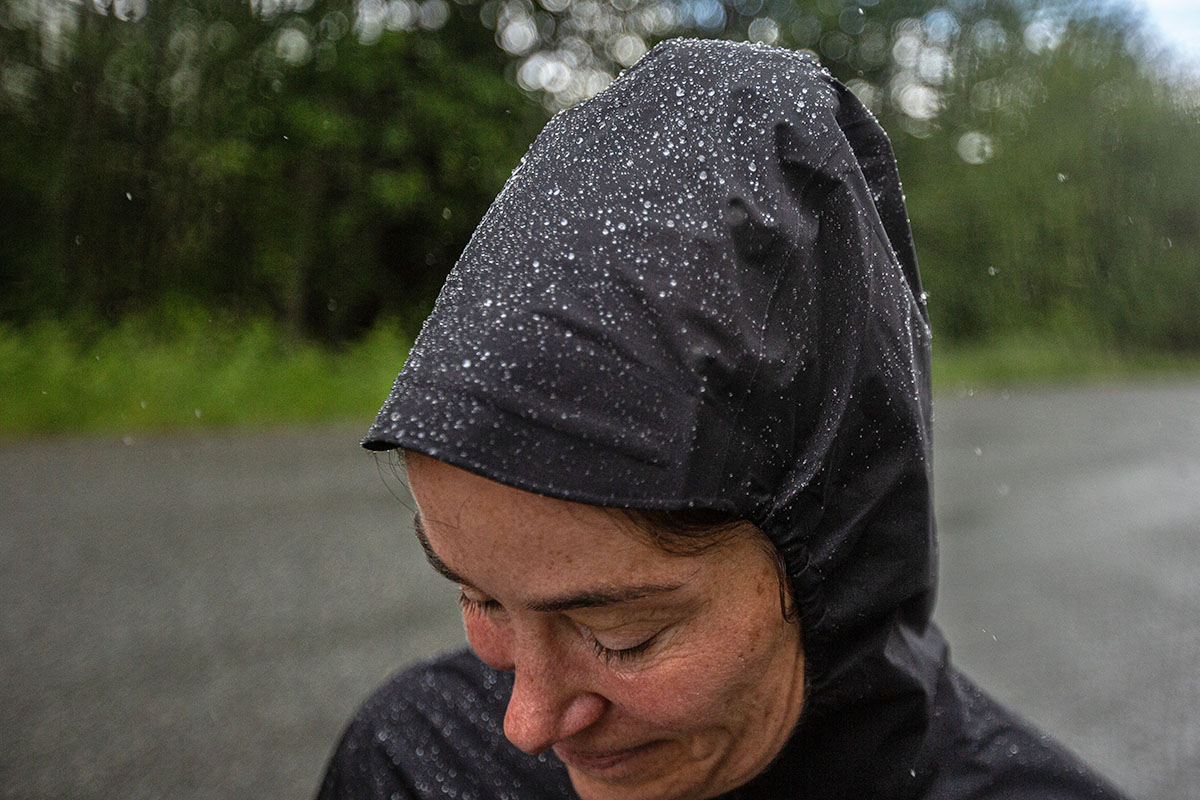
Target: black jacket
{"type": "Point", "coordinates": [699, 290]}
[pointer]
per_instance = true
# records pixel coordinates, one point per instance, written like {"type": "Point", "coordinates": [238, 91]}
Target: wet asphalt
{"type": "Point", "coordinates": [197, 617]}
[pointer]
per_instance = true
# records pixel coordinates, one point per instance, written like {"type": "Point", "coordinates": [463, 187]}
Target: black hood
{"type": "Point", "coordinates": [698, 290]}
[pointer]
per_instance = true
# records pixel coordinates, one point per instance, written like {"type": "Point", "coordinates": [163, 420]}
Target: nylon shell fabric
{"type": "Point", "coordinates": [699, 290]}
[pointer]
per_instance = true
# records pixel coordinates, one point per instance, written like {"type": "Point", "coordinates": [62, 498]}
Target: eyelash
{"type": "Point", "coordinates": [477, 606]}
{"type": "Point", "coordinates": [607, 654]}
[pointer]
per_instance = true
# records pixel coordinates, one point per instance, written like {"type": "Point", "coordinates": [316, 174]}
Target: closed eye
{"type": "Point", "coordinates": [481, 607]}
{"type": "Point", "coordinates": [610, 654]}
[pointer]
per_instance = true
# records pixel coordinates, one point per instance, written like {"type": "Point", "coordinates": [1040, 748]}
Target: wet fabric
{"type": "Point", "coordinates": [436, 731]}
{"type": "Point", "coordinates": [699, 290]}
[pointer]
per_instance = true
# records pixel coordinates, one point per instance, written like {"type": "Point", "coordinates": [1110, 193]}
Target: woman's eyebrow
{"type": "Point", "coordinates": [434, 560]}
{"type": "Point", "coordinates": [588, 598]}
{"type": "Point", "coordinates": [601, 597]}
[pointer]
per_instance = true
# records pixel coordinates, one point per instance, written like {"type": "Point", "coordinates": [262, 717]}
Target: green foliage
{"type": "Point", "coordinates": [270, 164]}
{"type": "Point", "coordinates": [1025, 358]}
{"type": "Point", "coordinates": [184, 367]}
{"type": "Point", "coordinates": [1084, 222]}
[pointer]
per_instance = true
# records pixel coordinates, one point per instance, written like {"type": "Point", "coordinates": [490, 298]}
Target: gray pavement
{"type": "Point", "coordinates": [198, 617]}
{"type": "Point", "coordinates": [1070, 572]}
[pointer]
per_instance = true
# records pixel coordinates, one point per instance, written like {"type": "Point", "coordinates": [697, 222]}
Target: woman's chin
{"type": "Point", "coordinates": [640, 773]}
{"type": "Point", "coordinates": [659, 788]}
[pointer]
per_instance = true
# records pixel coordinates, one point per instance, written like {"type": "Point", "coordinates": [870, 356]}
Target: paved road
{"type": "Point", "coordinates": [197, 618]}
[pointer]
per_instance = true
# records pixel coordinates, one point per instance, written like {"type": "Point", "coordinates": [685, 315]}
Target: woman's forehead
{"type": "Point", "coordinates": [553, 553]}
{"type": "Point", "coordinates": [451, 496]}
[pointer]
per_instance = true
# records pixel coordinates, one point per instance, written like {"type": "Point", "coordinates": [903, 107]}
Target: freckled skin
{"type": "Point", "coordinates": [701, 710]}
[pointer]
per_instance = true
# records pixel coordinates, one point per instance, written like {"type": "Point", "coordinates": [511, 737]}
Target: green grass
{"type": "Point", "coordinates": [191, 369]}
{"type": "Point", "coordinates": [1029, 359]}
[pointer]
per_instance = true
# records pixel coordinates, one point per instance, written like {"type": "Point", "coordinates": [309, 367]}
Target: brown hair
{"type": "Point", "coordinates": [692, 531]}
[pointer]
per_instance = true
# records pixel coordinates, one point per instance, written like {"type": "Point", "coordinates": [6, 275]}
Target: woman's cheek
{"type": "Point", "coordinates": [691, 689]}
{"type": "Point", "coordinates": [489, 640]}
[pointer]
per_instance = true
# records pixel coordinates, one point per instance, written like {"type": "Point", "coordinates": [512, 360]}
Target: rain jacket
{"type": "Point", "coordinates": [699, 290]}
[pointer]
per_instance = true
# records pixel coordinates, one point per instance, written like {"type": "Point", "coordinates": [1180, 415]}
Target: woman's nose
{"type": "Point", "coordinates": [548, 704]}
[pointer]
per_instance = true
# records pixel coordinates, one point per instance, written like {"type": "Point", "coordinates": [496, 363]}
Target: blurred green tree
{"type": "Point", "coordinates": [264, 159]}
{"type": "Point", "coordinates": [324, 162]}
{"type": "Point", "coordinates": [1049, 182]}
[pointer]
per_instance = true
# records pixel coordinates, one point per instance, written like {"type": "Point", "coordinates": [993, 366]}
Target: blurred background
{"type": "Point", "coordinates": [222, 222]}
{"type": "Point", "coordinates": [271, 191]}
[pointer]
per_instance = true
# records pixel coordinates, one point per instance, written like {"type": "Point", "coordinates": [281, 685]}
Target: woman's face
{"type": "Point", "coordinates": [650, 674]}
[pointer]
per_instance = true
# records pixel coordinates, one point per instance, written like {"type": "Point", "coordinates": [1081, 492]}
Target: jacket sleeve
{"type": "Point", "coordinates": [360, 768]}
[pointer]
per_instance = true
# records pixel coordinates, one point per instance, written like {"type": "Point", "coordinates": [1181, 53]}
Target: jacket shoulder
{"type": "Point", "coordinates": [435, 729]}
{"type": "Point", "coordinates": [995, 755]}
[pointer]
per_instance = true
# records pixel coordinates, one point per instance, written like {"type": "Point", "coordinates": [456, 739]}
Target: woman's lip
{"type": "Point", "coordinates": [600, 760]}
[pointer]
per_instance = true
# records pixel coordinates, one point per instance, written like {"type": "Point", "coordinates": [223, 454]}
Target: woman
{"type": "Point", "coordinates": [668, 428]}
